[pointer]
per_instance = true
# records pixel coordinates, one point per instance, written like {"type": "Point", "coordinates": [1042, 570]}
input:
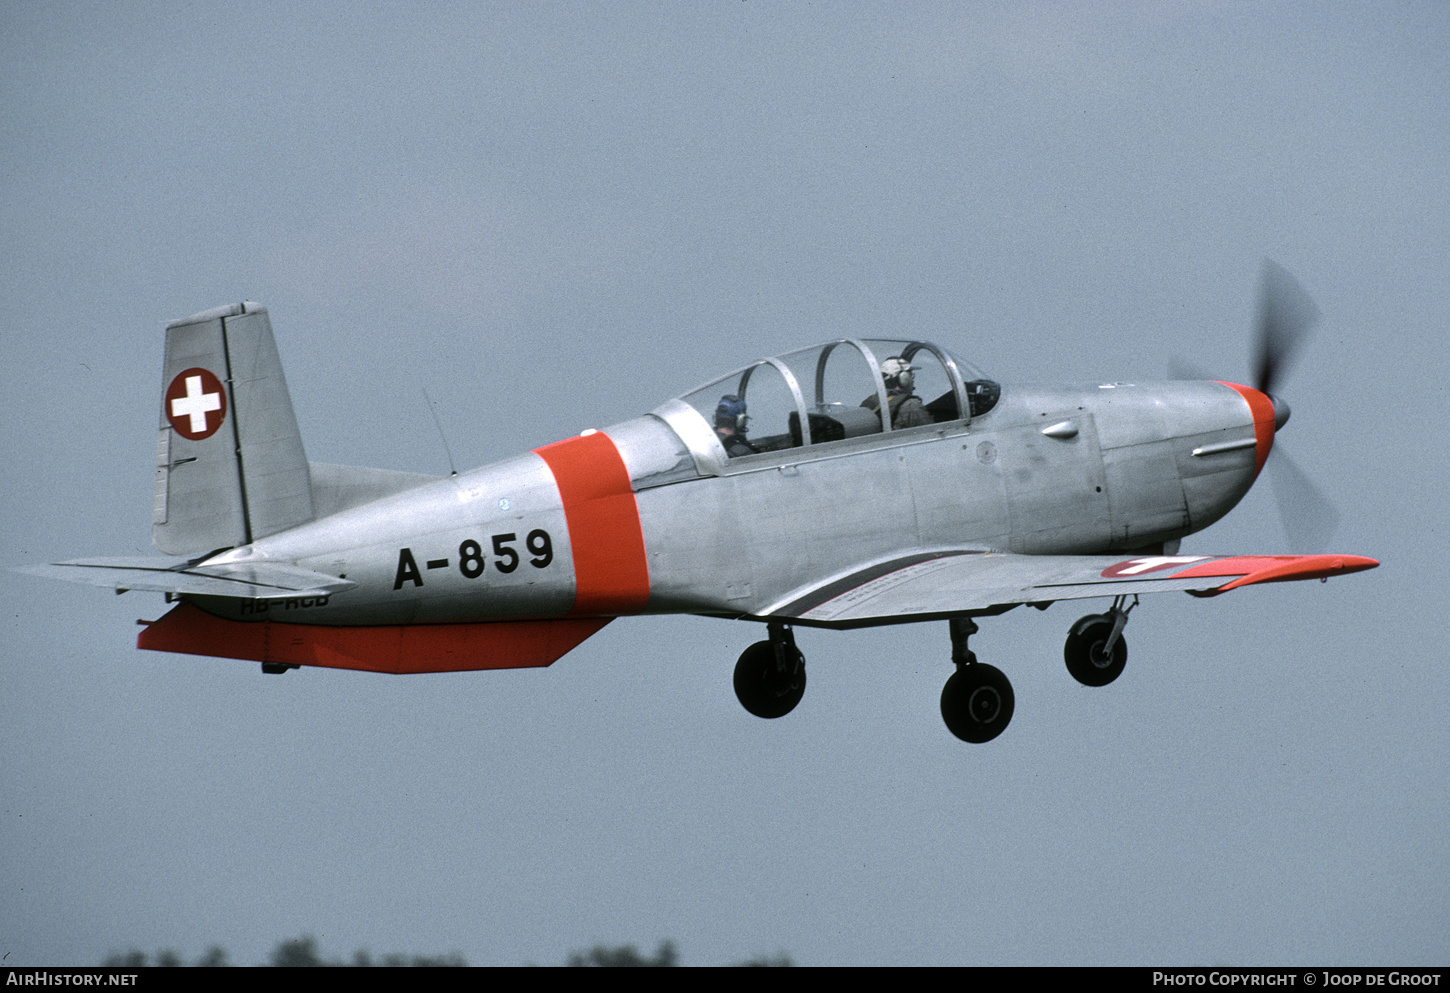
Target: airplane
{"type": "Point", "coordinates": [964, 499]}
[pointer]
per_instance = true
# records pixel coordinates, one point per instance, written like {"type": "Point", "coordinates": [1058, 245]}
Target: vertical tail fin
{"type": "Point", "coordinates": [230, 467]}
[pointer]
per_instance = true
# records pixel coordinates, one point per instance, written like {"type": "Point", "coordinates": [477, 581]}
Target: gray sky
{"type": "Point", "coordinates": [553, 217]}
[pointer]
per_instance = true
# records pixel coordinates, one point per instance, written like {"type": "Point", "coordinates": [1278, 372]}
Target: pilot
{"type": "Point", "coordinates": [730, 425]}
{"type": "Point", "coordinates": [907, 410]}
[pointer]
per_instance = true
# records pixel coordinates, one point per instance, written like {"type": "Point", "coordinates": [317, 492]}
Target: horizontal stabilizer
{"type": "Point", "coordinates": [251, 580]}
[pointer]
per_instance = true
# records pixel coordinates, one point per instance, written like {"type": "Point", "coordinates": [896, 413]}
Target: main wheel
{"type": "Point", "coordinates": [977, 703]}
{"type": "Point", "coordinates": [1086, 651]}
{"type": "Point", "coordinates": [762, 687]}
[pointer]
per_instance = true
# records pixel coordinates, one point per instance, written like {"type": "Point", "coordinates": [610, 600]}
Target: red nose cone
{"type": "Point", "coordinates": [1265, 418]}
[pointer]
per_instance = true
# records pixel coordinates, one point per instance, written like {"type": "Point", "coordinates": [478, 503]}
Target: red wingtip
{"type": "Point", "coordinates": [1277, 568]}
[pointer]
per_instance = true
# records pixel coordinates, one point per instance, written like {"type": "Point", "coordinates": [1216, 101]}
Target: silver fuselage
{"type": "Point", "coordinates": [1048, 470]}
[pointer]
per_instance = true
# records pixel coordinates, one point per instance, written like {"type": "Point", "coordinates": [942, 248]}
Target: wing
{"type": "Point", "coordinates": [254, 580]}
{"type": "Point", "coordinates": [942, 584]}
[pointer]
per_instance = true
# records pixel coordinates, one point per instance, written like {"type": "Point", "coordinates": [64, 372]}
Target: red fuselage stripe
{"type": "Point", "coordinates": [611, 574]}
{"type": "Point", "coordinates": [1261, 408]}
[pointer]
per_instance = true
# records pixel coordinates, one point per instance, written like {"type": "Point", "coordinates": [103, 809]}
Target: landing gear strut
{"type": "Point", "coordinates": [770, 677]}
{"type": "Point", "coordinates": [977, 701]}
{"type": "Point", "coordinates": [1095, 651]}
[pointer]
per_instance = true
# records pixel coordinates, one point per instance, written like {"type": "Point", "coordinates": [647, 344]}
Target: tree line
{"type": "Point", "coordinates": [303, 952]}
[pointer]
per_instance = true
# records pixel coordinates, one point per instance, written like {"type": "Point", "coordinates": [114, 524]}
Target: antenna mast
{"type": "Point", "coordinates": [442, 437]}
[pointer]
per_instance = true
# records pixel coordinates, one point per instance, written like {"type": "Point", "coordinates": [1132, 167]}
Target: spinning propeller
{"type": "Point", "coordinates": [1286, 316]}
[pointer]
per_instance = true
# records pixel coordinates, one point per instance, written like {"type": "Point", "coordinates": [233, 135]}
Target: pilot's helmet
{"type": "Point", "coordinates": [731, 413]}
{"type": "Point", "coordinates": [897, 372]}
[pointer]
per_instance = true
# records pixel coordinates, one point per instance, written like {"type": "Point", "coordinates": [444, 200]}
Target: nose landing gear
{"type": "Point", "coordinates": [1095, 651]}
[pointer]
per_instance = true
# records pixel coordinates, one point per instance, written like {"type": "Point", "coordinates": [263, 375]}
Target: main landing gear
{"type": "Point", "coordinates": [977, 701]}
{"type": "Point", "coordinates": [1095, 651]}
{"type": "Point", "coordinates": [770, 677]}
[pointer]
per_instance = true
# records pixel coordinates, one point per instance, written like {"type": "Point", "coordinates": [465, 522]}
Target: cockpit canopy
{"type": "Point", "coordinates": [828, 393]}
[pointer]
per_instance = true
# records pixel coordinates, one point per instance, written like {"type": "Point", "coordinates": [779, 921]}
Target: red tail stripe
{"type": "Point", "coordinates": [611, 574]}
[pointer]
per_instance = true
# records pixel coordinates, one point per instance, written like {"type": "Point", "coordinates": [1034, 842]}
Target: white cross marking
{"type": "Point", "coordinates": [196, 404]}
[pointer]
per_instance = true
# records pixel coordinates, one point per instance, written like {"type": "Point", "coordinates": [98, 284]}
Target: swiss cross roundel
{"type": "Point", "coordinates": [1147, 564]}
{"type": "Point", "coordinates": [196, 404]}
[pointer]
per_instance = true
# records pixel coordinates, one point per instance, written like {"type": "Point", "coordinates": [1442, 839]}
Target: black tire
{"type": "Point", "coordinates": [977, 703]}
{"type": "Point", "coordinates": [1084, 652]}
{"type": "Point", "coordinates": [763, 689]}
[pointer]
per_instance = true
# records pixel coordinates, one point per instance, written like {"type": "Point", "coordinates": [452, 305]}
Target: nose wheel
{"type": "Point", "coordinates": [1095, 651]}
{"type": "Point", "coordinates": [977, 701]}
{"type": "Point", "coordinates": [770, 677]}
